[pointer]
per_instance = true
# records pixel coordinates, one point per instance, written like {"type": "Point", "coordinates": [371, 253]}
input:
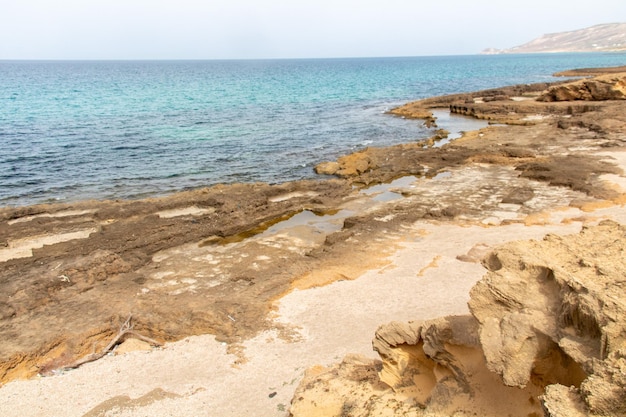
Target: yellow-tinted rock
{"type": "Point", "coordinates": [131, 345]}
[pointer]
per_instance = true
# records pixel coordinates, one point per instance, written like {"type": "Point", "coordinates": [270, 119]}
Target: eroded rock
{"type": "Point", "coordinates": [547, 336]}
{"type": "Point", "coordinates": [605, 87]}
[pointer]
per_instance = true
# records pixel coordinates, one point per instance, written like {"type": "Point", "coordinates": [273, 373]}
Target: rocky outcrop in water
{"type": "Point", "coordinates": [546, 337]}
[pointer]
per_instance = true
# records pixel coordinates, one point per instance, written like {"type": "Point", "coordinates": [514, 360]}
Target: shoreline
{"type": "Point", "coordinates": [456, 128]}
{"type": "Point", "coordinates": [171, 262]}
{"type": "Point", "coordinates": [70, 171]}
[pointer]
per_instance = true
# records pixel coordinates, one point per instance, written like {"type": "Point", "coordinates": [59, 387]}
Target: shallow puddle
{"type": "Point", "coordinates": [442, 175]}
{"type": "Point", "coordinates": [456, 125]}
{"type": "Point", "coordinates": [316, 222]}
{"type": "Point", "coordinates": [320, 222]}
{"type": "Point", "coordinates": [389, 191]}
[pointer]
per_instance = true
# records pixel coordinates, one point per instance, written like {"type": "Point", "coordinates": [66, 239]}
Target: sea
{"type": "Point", "coordinates": [75, 130]}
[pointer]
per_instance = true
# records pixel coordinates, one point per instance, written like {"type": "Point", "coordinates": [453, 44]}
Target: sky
{"type": "Point", "coordinates": [247, 29]}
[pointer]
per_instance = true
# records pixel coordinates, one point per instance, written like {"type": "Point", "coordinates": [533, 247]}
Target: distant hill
{"type": "Point", "coordinates": [606, 37]}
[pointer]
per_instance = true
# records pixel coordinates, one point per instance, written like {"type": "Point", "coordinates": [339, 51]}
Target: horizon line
{"type": "Point", "coordinates": [283, 58]}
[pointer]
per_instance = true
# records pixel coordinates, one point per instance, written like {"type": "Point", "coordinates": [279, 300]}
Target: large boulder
{"type": "Point", "coordinates": [350, 165]}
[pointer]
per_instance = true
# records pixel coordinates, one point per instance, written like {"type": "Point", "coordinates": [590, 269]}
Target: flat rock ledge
{"type": "Point", "coordinates": [545, 337]}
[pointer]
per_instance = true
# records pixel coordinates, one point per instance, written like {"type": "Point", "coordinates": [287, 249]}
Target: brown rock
{"type": "Point", "coordinates": [355, 164]}
{"type": "Point", "coordinates": [327, 168]}
{"type": "Point", "coordinates": [605, 87]}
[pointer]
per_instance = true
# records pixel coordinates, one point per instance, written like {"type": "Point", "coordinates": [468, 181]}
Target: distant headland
{"type": "Point", "coordinates": [610, 37]}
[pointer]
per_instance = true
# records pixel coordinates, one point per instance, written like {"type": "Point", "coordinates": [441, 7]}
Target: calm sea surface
{"type": "Point", "coordinates": [79, 130]}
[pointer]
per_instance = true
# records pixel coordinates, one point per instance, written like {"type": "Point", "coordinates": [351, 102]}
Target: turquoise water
{"type": "Point", "coordinates": [130, 129]}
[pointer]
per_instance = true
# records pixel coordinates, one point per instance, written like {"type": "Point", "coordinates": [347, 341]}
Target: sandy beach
{"type": "Point", "coordinates": [237, 290]}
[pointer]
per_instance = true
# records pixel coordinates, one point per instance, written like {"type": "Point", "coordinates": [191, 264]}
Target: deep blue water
{"type": "Point", "coordinates": [130, 129]}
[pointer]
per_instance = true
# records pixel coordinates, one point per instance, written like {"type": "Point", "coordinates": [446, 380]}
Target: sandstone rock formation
{"type": "Point", "coordinates": [546, 337]}
{"type": "Point", "coordinates": [560, 318]}
{"type": "Point", "coordinates": [348, 166]}
{"type": "Point", "coordinates": [606, 87]}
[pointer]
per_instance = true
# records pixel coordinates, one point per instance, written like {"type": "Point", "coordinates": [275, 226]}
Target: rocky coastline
{"type": "Point", "coordinates": [546, 331]}
{"type": "Point", "coordinates": [97, 278]}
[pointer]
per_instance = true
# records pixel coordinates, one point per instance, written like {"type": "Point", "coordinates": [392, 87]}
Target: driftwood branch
{"type": "Point", "coordinates": [125, 329]}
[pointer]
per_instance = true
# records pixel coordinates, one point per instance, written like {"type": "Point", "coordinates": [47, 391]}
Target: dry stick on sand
{"type": "Point", "coordinates": [125, 329]}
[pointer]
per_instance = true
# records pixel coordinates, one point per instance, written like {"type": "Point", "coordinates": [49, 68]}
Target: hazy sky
{"type": "Point", "coordinates": [224, 29]}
